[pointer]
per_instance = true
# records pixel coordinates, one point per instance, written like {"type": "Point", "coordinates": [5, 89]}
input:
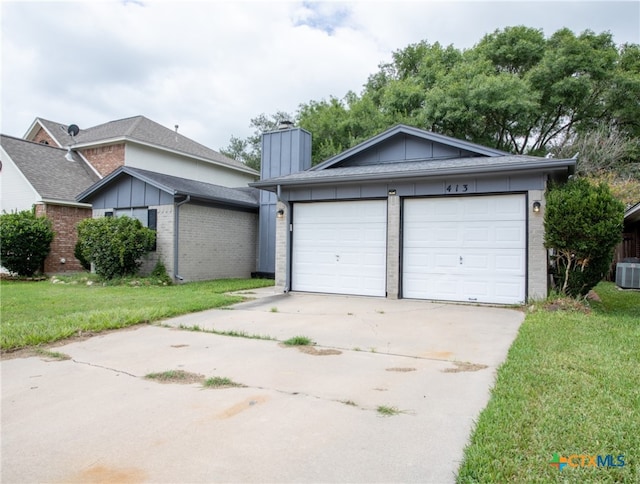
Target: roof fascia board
{"type": "Point", "coordinates": [404, 129]}
{"type": "Point", "coordinates": [633, 213]}
{"type": "Point", "coordinates": [117, 173]}
{"type": "Point", "coordinates": [126, 139]}
{"type": "Point", "coordinates": [65, 203]}
{"type": "Point", "coordinates": [547, 167]}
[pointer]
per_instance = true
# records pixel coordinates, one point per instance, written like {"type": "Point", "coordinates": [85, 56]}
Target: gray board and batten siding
{"type": "Point", "coordinates": [284, 152]}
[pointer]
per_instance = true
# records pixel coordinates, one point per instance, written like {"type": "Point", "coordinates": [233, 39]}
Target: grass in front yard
{"type": "Point", "coordinates": [571, 386]}
{"type": "Point", "coordinates": [35, 313]}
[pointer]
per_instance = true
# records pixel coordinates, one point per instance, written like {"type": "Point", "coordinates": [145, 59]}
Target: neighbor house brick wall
{"type": "Point", "coordinates": [393, 247]}
{"type": "Point", "coordinates": [216, 243]}
{"type": "Point", "coordinates": [537, 254]}
{"type": "Point", "coordinates": [64, 223]}
{"type": "Point", "coordinates": [105, 159]}
{"type": "Point", "coordinates": [43, 137]}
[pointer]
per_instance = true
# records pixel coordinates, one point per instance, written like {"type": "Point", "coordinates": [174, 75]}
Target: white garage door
{"type": "Point", "coordinates": [470, 249]}
{"type": "Point", "coordinates": [340, 247]}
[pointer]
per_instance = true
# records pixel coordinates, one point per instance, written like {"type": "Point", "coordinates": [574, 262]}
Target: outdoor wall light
{"type": "Point", "coordinates": [280, 213]}
{"type": "Point", "coordinates": [392, 191]}
{"type": "Point", "coordinates": [536, 206]}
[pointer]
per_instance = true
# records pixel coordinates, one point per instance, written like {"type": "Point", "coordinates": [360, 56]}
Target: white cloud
{"type": "Point", "coordinates": [211, 66]}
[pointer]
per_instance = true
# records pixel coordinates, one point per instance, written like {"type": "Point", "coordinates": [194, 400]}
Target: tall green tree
{"type": "Point", "coordinates": [515, 90]}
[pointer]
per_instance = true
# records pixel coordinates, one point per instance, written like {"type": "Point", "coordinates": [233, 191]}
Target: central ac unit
{"type": "Point", "coordinates": [628, 275]}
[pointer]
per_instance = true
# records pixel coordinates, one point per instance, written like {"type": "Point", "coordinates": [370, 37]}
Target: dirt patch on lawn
{"type": "Point", "coordinates": [461, 366]}
{"type": "Point", "coordinates": [401, 370]}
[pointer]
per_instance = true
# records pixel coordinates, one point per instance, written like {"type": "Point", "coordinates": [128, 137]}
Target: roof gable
{"type": "Point", "coordinates": [401, 144]}
{"type": "Point", "coordinates": [53, 172]}
{"type": "Point", "coordinates": [173, 186]}
{"type": "Point", "coordinates": [137, 129]}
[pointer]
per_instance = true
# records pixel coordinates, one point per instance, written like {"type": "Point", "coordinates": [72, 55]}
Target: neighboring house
{"type": "Point", "coordinates": [204, 231]}
{"type": "Point", "coordinates": [48, 178]}
{"type": "Point", "coordinates": [630, 246]}
{"type": "Point", "coordinates": [135, 142]}
{"type": "Point", "coordinates": [414, 214]}
{"type": "Point", "coordinates": [141, 143]}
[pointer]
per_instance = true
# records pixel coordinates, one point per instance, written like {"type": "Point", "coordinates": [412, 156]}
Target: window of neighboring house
{"type": "Point", "coordinates": [148, 217]}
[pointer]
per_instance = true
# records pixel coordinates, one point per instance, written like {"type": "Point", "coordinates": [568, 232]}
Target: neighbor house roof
{"type": "Point", "coordinates": [179, 187]}
{"type": "Point", "coordinates": [632, 214]}
{"type": "Point", "coordinates": [418, 169]}
{"type": "Point", "coordinates": [137, 129]}
{"type": "Point", "coordinates": [55, 173]}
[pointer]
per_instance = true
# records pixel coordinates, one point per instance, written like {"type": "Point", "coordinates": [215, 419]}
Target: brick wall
{"type": "Point", "coordinates": [64, 221]}
{"type": "Point", "coordinates": [281, 246]}
{"type": "Point", "coordinates": [393, 247]}
{"type": "Point", "coordinates": [105, 159]}
{"type": "Point", "coordinates": [164, 241]}
{"type": "Point", "coordinates": [43, 137]}
{"type": "Point", "coordinates": [537, 254]}
{"type": "Point", "coordinates": [216, 243]}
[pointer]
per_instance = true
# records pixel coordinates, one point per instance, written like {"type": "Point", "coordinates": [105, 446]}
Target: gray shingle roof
{"type": "Point", "coordinates": [416, 169]}
{"type": "Point", "coordinates": [49, 172]}
{"type": "Point", "coordinates": [143, 130]}
{"type": "Point", "coordinates": [244, 197]}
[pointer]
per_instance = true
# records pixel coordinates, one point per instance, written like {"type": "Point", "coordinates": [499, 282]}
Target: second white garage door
{"type": "Point", "coordinates": [340, 247]}
{"type": "Point", "coordinates": [470, 249]}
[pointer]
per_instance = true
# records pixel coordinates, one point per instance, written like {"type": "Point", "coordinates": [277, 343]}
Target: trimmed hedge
{"type": "Point", "coordinates": [25, 242]}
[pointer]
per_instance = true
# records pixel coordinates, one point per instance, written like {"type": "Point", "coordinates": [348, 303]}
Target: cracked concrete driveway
{"type": "Point", "coordinates": [301, 417]}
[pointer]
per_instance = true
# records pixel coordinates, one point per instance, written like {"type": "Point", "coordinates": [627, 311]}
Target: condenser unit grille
{"type": "Point", "coordinates": [628, 275]}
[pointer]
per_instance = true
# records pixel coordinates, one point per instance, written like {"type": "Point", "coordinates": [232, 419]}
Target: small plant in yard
{"type": "Point", "coordinates": [159, 273]}
{"type": "Point", "coordinates": [387, 411]}
{"type": "Point", "coordinates": [299, 341]}
{"type": "Point", "coordinates": [56, 355]}
{"type": "Point", "coordinates": [26, 242]}
{"type": "Point", "coordinates": [175, 376]}
{"type": "Point", "coordinates": [220, 382]}
{"type": "Point", "coordinates": [274, 309]}
{"type": "Point", "coordinates": [233, 333]}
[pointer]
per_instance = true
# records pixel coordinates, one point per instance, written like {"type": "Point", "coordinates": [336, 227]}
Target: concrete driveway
{"type": "Point", "coordinates": [301, 416]}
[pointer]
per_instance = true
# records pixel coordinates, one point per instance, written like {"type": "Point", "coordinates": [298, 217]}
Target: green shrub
{"type": "Point", "coordinates": [77, 253]}
{"type": "Point", "coordinates": [114, 244]}
{"type": "Point", "coordinates": [583, 224]}
{"type": "Point", "coordinates": [159, 272]}
{"type": "Point", "coordinates": [25, 242]}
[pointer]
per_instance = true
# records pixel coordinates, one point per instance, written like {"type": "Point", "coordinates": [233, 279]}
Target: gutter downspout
{"type": "Point", "coordinates": [176, 236]}
{"type": "Point", "coordinates": [287, 282]}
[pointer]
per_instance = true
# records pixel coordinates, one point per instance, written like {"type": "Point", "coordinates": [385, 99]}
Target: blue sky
{"type": "Point", "coordinates": [211, 66]}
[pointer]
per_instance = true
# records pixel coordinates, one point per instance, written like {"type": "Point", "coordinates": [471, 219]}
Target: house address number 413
{"type": "Point", "coordinates": [457, 188]}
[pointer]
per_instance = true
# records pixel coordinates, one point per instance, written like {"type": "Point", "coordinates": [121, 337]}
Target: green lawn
{"type": "Point", "coordinates": [34, 313]}
{"type": "Point", "coordinates": [571, 386]}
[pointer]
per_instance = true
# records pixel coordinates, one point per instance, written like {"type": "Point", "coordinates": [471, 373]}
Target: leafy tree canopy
{"type": "Point", "coordinates": [515, 90]}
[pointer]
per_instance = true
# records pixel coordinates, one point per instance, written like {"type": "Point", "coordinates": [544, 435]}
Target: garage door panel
{"type": "Point", "coordinates": [481, 256]}
{"type": "Point", "coordinates": [340, 247]}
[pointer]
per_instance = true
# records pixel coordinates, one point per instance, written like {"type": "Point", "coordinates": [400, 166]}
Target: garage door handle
{"type": "Point", "coordinates": [337, 258]}
{"type": "Point", "coordinates": [460, 259]}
